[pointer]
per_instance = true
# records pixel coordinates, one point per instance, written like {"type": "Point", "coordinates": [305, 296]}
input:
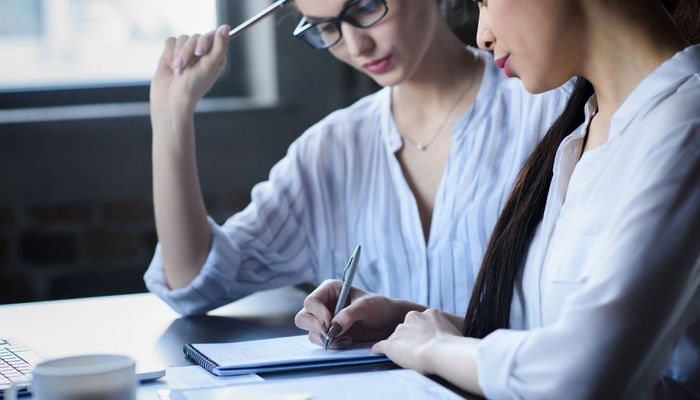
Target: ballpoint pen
{"type": "Point", "coordinates": [348, 275]}
{"type": "Point", "coordinates": [273, 8]}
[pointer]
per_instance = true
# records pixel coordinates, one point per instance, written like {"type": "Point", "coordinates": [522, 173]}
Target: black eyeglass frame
{"type": "Point", "coordinates": [305, 25]}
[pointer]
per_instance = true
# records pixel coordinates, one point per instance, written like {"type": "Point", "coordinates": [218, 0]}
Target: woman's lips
{"type": "Point", "coordinates": [501, 62]}
{"type": "Point", "coordinates": [504, 64]}
{"type": "Point", "coordinates": [378, 66]}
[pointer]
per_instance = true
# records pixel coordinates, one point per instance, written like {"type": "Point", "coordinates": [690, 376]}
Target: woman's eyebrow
{"type": "Point", "coordinates": [312, 19]}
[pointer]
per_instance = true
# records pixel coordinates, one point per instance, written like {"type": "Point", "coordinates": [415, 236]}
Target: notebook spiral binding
{"type": "Point", "coordinates": [199, 358]}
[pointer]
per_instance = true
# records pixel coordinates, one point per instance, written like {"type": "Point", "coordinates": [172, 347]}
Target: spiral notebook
{"type": "Point", "coordinates": [273, 355]}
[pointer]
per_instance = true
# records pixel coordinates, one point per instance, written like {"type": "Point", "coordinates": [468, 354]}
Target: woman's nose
{"type": "Point", "coordinates": [484, 35]}
{"type": "Point", "coordinates": [357, 40]}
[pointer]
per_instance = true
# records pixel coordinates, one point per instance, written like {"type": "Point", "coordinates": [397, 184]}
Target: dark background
{"type": "Point", "coordinates": [76, 215]}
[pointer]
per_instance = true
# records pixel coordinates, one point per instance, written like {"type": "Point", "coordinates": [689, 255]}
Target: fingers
{"type": "Point", "coordinates": [217, 56]}
{"type": "Point", "coordinates": [379, 347]}
{"type": "Point", "coordinates": [321, 300]}
{"type": "Point", "coordinates": [177, 63]}
{"type": "Point", "coordinates": [316, 339]}
{"type": "Point", "coordinates": [340, 343]}
{"type": "Point", "coordinates": [185, 56]}
{"type": "Point", "coordinates": [204, 44]}
{"type": "Point", "coordinates": [361, 310]}
{"type": "Point", "coordinates": [186, 50]}
{"type": "Point", "coordinates": [412, 316]}
{"type": "Point", "coordinates": [308, 322]}
{"type": "Point", "coordinates": [221, 39]}
{"type": "Point", "coordinates": [168, 50]}
{"type": "Point", "coordinates": [167, 57]}
{"type": "Point", "coordinates": [316, 307]}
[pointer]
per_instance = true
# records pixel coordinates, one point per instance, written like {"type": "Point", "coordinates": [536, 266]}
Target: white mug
{"type": "Point", "coordinates": [89, 377]}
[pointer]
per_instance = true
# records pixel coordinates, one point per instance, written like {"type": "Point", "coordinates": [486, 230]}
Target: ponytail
{"type": "Point", "coordinates": [489, 308]}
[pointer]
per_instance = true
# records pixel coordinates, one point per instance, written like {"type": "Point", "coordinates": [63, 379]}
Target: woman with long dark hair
{"type": "Point", "coordinates": [590, 286]}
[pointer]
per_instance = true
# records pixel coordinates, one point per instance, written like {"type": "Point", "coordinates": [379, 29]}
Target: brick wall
{"type": "Point", "coordinates": [64, 251]}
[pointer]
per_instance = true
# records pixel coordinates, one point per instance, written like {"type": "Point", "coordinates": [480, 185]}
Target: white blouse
{"type": "Point", "coordinates": [341, 185]}
{"type": "Point", "coordinates": [608, 304]}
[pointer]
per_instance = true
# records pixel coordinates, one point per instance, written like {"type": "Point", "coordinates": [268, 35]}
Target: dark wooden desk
{"type": "Point", "coordinates": [151, 332]}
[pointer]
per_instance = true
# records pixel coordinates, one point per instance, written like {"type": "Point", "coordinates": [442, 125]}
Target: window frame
{"type": "Point", "coordinates": [233, 82]}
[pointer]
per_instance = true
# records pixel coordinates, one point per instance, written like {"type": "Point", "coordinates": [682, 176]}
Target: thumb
{"type": "Point", "coordinates": [221, 41]}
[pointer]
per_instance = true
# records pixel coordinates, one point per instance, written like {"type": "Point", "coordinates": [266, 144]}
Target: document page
{"type": "Point", "coordinates": [381, 385]}
{"type": "Point", "coordinates": [285, 350]}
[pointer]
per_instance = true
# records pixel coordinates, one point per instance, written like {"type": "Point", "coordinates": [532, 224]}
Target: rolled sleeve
{"type": "Point", "coordinates": [209, 289]}
{"type": "Point", "coordinates": [495, 356]}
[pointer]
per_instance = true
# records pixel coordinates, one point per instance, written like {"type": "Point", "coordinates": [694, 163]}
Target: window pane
{"type": "Point", "coordinates": [59, 43]}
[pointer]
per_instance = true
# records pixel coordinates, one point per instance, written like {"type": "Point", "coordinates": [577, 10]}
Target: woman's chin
{"type": "Point", "coordinates": [390, 78]}
{"type": "Point", "coordinates": [536, 86]}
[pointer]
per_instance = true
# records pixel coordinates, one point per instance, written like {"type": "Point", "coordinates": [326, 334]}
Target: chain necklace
{"type": "Point", "coordinates": [424, 146]}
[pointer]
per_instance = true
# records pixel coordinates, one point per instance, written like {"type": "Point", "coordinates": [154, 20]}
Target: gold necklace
{"type": "Point", "coordinates": [424, 146]}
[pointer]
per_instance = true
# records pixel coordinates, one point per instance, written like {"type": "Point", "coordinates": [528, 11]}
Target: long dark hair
{"type": "Point", "coordinates": [489, 307]}
{"type": "Point", "coordinates": [462, 16]}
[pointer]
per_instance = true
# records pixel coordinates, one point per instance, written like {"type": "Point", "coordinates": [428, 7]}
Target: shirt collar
{"type": "Point", "coordinates": [667, 77]}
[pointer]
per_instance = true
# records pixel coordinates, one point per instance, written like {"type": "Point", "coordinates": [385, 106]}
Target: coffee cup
{"type": "Point", "coordinates": [87, 377]}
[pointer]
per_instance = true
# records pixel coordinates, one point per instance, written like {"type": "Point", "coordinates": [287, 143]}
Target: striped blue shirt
{"type": "Point", "coordinates": [340, 185]}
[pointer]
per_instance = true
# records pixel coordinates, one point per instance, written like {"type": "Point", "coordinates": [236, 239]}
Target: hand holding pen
{"type": "Point", "coordinates": [190, 65]}
{"type": "Point", "coordinates": [348, 276]}
{"type": "Point", "coordinates": [367, 317]}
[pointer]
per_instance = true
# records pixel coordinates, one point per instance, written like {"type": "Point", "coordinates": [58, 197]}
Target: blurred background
{"type": "Point", "coordinates": [76, 217]}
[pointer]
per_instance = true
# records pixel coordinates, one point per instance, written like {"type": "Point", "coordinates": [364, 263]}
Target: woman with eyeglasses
{"type": "Point", "coordinates": [416, 173]}
{"type": "Point", "coordinates": [590, 285]}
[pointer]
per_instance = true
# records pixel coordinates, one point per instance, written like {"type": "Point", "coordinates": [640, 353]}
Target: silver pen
{"type": "Point", "coordinates": [273, 8]}
{"type": "Point", "coordinates": [348, 275]}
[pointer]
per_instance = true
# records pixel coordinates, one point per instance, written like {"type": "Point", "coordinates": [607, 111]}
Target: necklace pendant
{"type": "Point", "coordinates": [420, 146]}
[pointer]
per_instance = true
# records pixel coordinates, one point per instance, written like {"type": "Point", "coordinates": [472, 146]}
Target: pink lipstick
{"type": "Point", "coordinates": [504, 64]}
{"type": "Point", "coordinates": [378, 66]}
{"type": "Point", "coordinates": [501, 62]}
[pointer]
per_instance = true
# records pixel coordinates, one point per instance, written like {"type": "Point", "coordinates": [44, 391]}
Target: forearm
{"type": "Point", "coordinates": [181, 216]}
{"type": "Point", "coordinates": [454, 358]}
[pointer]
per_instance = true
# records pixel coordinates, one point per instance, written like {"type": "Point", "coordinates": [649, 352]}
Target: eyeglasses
{"type": "Point", "coordinates": [325, 32]}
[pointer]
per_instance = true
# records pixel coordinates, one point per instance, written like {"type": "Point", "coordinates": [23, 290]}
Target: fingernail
{"type": "Point", "coordinates": [198, 51]}
{"type": "Point", "coordinates": [177, 66]}
{"type": "Point", "coordinates": [335, 329]}
{"type": "Point", "coordinates": [343, 342]}
{"type": "Point", "coordinates": [324, 326]}
{"type": "Point", "coordinates": [224, 30]}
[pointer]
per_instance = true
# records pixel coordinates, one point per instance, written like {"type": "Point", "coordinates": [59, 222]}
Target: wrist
{"type": "Point", "coordinates": [432, 353]}
{"type": "Point", "coordinates": [170, 120]}
{"type": "Point", "coordinates": [182, 105]}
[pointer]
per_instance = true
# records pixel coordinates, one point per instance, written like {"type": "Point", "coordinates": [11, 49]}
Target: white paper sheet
{"type": "Point", "coordinates": [190, 377]}
{"type": "Point", "coordinates": [380, 385]}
